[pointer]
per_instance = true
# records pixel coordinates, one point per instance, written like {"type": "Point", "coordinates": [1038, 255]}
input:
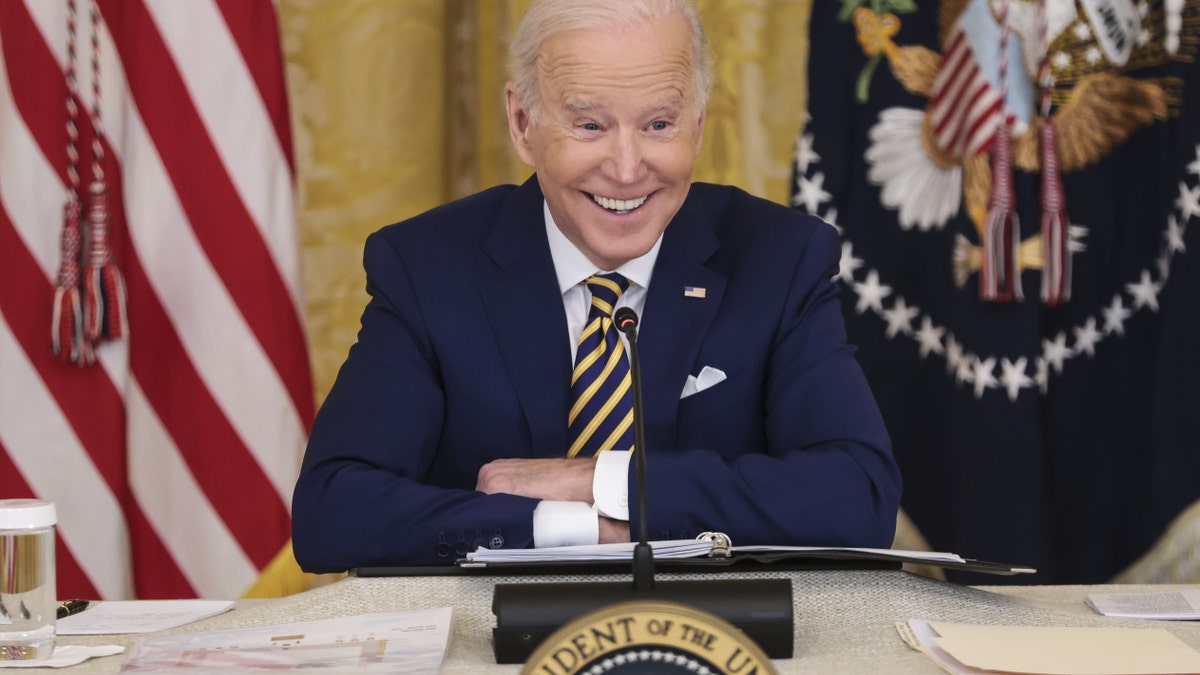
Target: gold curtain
{"type": "Point", "coordinates": [397, 107]}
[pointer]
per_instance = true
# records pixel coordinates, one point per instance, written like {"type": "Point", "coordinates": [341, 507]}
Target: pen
{"type": "Point", "coordinates": [71, 607]}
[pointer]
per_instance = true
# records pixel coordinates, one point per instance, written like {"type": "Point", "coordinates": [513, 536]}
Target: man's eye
{"type": "Point", "coordinates": [660, 125]}
{"type": "Point", "coordinates": [590, 126]}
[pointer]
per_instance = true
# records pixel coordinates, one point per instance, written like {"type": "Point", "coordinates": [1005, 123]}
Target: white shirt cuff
{"type": "Point", "coordinates": [565, 524]}
{"type": "Point", "coordinates": [610, 484]}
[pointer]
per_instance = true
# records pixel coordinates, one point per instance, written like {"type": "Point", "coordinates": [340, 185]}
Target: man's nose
{"type": "Point", "coordinates": [626, 161]}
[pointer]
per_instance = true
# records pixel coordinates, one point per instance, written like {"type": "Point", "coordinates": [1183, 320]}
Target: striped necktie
{"type": "Point", "coordinates": [601, 401]}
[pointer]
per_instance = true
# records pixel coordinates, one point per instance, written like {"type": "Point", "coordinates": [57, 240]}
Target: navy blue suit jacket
{"type": "Point", "coordinates": [462, 359]}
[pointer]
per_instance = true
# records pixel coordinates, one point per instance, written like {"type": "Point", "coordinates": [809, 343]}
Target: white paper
{"type": "Point", "coordinates": [915, 556]}
{"type": "Point", "coordinates": [397, 642]}
{"type": "Point", "coordinates": [139, 616]}
{"type": "Point", "coordinates": [673, 548]}
{"type": "Point", "coordinates": [1163, 605]}
{"type": "Point", "coordinates": [66, 655]}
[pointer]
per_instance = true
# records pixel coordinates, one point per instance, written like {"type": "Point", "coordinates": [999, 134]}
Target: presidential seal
{"type": "Point", "coordinates": [644, 637]}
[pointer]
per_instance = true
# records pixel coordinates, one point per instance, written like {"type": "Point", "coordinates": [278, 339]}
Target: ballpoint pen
{"type": "Point", "coordinates": [70, 607]}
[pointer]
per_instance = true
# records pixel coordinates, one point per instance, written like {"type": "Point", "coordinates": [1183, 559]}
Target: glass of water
{"type": "Point", "coordinates": [28, 598]}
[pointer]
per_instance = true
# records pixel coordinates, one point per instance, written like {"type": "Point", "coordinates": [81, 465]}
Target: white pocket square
{"type": "Point", "coordinates": [708, 377]}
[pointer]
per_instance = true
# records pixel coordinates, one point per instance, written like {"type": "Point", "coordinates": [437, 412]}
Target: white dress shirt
{"type": "Point", "coordinates": [574, 523]}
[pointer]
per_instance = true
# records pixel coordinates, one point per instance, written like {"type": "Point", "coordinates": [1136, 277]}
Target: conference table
{"type": "Point", "coordinates": [844, 619]}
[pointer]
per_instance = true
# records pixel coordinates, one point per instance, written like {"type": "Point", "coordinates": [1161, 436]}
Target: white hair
{"type": "Point", "coordinates": [544, 18]}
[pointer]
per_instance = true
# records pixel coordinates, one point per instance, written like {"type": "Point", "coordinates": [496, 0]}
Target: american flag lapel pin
{"type": "Point", "coordinates": [694, 291]}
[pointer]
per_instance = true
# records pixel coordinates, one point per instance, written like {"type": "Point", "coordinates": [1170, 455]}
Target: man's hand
{"type": "Point", "coordinates": [563, 480]}
{"type": "Point", "coordinates": [613, 531]}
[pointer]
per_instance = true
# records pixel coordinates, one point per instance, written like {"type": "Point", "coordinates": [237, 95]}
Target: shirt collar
{"type": "Point", "coordinates": [572, 266]}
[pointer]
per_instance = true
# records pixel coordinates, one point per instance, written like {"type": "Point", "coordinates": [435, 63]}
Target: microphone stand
{"type": "Point", "coordinates": [643, 555]}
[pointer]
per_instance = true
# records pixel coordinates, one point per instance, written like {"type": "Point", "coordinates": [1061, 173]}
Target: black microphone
{"type": "Point", "coordinates": [626, 321]}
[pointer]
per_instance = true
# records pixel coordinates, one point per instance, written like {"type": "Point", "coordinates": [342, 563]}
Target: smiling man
{"type": "Point", "coordinates": [487, 400]}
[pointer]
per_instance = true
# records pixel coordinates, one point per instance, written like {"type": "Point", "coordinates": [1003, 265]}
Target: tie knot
{"type": "Point", "coordinates": [606, 290]}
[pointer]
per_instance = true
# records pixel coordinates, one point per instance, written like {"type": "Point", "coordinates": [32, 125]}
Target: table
{"type": "Point", "coordinates": [845, 620]}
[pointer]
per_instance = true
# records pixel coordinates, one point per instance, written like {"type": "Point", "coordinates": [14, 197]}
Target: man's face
{"type": "Point", "coordinates": [616, 135]}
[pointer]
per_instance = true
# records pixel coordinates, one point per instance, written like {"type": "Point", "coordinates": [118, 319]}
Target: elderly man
{"type": "Point", "coordinates": [487, 402]}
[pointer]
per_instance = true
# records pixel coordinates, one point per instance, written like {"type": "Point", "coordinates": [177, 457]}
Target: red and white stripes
{"type": "Point", "coordinates": [172, 459]}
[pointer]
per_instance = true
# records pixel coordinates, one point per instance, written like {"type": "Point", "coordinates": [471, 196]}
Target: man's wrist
{"type": "Point", "coordinates": [610, 484]}
{"type": "Point", "coordinates": [565, 524]}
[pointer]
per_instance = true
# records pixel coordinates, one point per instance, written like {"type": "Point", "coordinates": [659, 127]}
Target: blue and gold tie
{"type": "Point", "coordinates": [601, 401]}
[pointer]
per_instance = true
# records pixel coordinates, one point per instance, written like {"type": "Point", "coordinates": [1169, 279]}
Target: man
{"type": "Point", "coordinates": [463, 416]}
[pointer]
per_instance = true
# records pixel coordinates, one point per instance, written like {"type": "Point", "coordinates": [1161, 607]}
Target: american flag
{"type": "Point", "coordinates": [965, 106]}
{"type": "Point", "coordinates": [171, 459]}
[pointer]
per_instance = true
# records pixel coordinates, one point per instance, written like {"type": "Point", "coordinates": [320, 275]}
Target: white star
{"type": "Point", "coordinates": [831, 218]}
{"type": "Point", "coordinates": [1041, 375]}
{"type": "Point", "coordinates": [1082, 31]}
{"type": "Point", "coordinates": [966, 369]}
{"type": "Point", "coordinates": [899, 318]}
{"type": "Point", "coordinates": [1143, 8]}
{"type": "Point", "coordinates": [984, 379]}
{"type": "Point", "coordinates": [1174, 236]}
{"type": "Point", "coordinates": [929, 337]}
{"type": "Point", "coordinates": [1188, 202]}
{"type": "Point", "coordinates": [1060, 59]}
{"type": "Point", "coordinates": [1093, 55]}
{"type": "Point", "coordinates": [810, 193]}
{"type": "Point", "coordinates": [1163, 263]}
{"type": "Point", "coordinates": [805, 154]}
{"type": "Point", "coordinates": [1056, 352]}
{"type": "Point", "coordinates": [1143, 37]}
{"type": "Point", "coordinates": [1086, 337]}
{"type": "Point", "coordinates": [847, 264]}
{"type": "Point", "coordinates": [1114, 317]}
{"type": "Point", "coordinates": [871, 293]}
{"type": "Point", "coordinates": [1194, 167]}
{"type": "Point", "coordinates": [954, 354]}
{"type": "Point", "coordinates": [1144, 292]}
{"type": "Point", "coordinates": [1013, 377]}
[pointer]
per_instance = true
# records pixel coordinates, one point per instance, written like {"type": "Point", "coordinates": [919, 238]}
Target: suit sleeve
{"type": "Point", "coordinates": [359, 500]}
{"type": "Point", "coordinates": [819, 470]}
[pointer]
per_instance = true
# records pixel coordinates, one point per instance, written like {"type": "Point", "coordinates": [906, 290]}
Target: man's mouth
{"type": "Point", "coordinates": [619, 206]}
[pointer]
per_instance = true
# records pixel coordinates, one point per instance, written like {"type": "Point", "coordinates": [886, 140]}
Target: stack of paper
{"type": "Point", "coordinates": [967, 648]}
{"type": "Point", "coordinates": [673, 548]}
{"type": "Point", "coordinates": [1167, 605]}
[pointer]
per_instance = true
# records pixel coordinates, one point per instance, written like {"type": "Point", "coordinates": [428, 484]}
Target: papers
{"type": "Point", "coordinates": [139, 616]}
{"type": "Point", "coordinates": [674, 548]}
{"type": "Point", "coordinates": [66, 655]}
{"type": "Point", "coordinates": [397, 642]}
{"type": "Point", "coordinates": [680, 549]}
{"type": "Point", "coordinates": [1167, 605]}
{"type": "Point", "coordinates": [968, 648]}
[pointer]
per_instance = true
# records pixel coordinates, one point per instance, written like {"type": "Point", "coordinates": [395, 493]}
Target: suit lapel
{"type": "Point", "coordinates": [675, 323]}
{"type": "Point", "coordinates": [525, 310]}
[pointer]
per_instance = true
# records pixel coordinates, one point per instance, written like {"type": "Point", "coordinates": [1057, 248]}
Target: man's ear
{"type": "Point", "coordinates": [518, 123]}
{"type": "Point", "coordinates": [700, 130]}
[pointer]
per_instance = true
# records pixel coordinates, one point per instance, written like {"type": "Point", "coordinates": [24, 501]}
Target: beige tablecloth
{"type": "Point", "coordinates": [844, 619]}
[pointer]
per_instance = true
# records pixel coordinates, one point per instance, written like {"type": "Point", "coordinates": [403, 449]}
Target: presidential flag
{"type": "Point", "coordinates": [154, 378]}
{"type": "Point", "coordinates": [1017, 184]}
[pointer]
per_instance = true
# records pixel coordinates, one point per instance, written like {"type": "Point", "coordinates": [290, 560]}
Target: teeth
{"type": "Point", "coordinates": [619, 205]}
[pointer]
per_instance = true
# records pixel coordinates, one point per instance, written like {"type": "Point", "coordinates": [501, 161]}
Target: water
{"type": "Point", "coordinates": [28, 601]}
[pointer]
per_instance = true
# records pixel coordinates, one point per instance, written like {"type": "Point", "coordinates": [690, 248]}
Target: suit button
{"type": "Point", "coordinates": [479, 543]}
{"type": "Point", "coordinates": [460, 547]}
{"type": "Point", "coordinates": [442, 549]}
{"type": "Point", "coordinates": [496, 542]}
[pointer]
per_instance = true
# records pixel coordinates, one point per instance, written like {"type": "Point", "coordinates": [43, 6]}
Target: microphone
{"type": "Point", "coordinates": [528, 613]}
{"type": "Point", "coordinates": [626, 321]}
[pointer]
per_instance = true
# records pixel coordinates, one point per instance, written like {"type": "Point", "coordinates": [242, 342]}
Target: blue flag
{"type": "Point", "coordinates": [1018, 193]}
